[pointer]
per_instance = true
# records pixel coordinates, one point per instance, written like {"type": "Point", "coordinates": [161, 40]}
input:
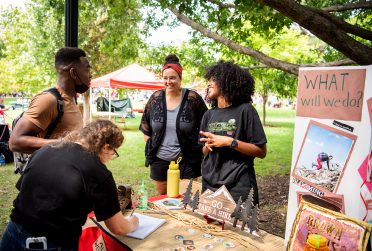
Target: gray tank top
{"type": "Point", "coordinates": [170, 146]}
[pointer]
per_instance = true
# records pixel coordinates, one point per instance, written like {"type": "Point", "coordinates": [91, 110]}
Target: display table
{"type": "Point", "coordinates": [192, 226]}
{"type": "Point", "coordinates": [164, 237]}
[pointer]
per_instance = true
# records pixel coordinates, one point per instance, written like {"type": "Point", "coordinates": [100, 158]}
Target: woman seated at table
{"type": "Point", "coordinates": [62, 184]}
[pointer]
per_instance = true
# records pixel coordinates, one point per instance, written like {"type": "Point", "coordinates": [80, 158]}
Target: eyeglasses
{"type": "Point", "coordinates": [116, 155]}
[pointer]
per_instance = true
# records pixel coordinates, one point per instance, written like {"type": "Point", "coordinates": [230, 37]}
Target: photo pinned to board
{"type": "Point", "coordinates": [323, 158]}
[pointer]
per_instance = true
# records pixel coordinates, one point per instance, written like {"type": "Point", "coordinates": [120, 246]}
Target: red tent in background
{"type": "Point", "coordinates": [132, 76]}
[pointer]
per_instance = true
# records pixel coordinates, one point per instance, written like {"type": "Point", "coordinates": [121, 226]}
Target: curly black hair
{"type": "Point", "coordinates": [235, 83]}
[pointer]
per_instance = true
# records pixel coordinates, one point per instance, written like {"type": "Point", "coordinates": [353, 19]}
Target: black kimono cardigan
{"type": "Point", "coordinates": [191, 110]}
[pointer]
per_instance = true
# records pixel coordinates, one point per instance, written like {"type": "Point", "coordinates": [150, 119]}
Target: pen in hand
{"type": "Point", "coordinates": [134, 204]}
{"type": "Point", "coordinates": [131, 213]}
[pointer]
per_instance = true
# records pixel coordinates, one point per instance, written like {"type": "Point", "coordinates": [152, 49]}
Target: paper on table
{"type": "Point", "coordinates": [170, 203]}
{"type": "Point", "coordinates": [147, 225]}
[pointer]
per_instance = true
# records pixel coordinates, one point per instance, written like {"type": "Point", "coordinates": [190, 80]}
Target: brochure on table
{"type": "Point", "coordinates": [170, 203]}
{"type": "Point", "coordinates": [331, 157]}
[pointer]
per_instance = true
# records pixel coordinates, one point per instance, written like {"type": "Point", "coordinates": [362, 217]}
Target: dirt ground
{"type": "Point", "coordinates": [273, 193]}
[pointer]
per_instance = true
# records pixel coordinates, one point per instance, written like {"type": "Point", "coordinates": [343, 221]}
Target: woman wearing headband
{"type": "Point", "coordinates": [170, 124]}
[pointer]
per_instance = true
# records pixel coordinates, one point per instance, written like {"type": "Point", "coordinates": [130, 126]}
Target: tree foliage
{"type": "Point", "coordinates": [30, 36]}
{"type": "Point", "coordinates": [234, 24]}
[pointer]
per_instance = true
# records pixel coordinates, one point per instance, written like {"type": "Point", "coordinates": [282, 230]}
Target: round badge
{"type": "Point", "coordinates": [179, 237]}
{"type": "Point", "coordinates": [207, 246]}
{"type": "Point", "coordinates": [179, 249]}
{"type": "Point", "coordinates": [206, 235]}
{"type": "Point", "coordinates": [191, 231]}
{"type": "Point", "coordinates": [228, 244]}
{"type": "Point", "coordinates": [191, 247]}
{"type": "Point", "coordinates": [218, 239]}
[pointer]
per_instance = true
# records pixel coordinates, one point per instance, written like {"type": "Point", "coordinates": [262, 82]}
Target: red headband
{"type": "Point", "coordinates": [176, 67]}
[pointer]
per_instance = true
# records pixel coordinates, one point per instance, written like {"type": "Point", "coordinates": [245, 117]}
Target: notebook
{"type": "Point", "coordinates": [147, 225]}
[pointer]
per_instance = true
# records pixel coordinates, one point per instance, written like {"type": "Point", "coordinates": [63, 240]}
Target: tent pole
{"type": "Point", "coordinates": [109, 102]}
{"type": "Point", "coordinates": [90, 104]}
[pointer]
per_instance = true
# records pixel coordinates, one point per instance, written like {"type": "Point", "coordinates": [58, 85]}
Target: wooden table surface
{"type": "Point", "coordinates": [164, 238]}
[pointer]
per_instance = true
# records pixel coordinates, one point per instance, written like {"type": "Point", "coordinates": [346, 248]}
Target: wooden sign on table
{"type": "Point", "coordinates": [217, 205]}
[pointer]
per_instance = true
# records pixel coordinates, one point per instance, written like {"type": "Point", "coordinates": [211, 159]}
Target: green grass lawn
{"type": "Point", "coordinates": [279, 133]}
{"type": "Point", "coordinates": [129, 167]}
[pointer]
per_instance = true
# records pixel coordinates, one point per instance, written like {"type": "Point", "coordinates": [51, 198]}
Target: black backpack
{"type": "Point", "coordinates": [21, 159]}
{"type": "Point", "coordinates": [4, 143]}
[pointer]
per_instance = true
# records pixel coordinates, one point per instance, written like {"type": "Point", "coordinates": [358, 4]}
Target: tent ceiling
{"type": "Point", "coordinates": [132, 76]}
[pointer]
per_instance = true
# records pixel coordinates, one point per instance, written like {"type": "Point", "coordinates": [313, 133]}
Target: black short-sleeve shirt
{"type": "Point", "coordinates": [60, 186]}
{"type": "Point", "coordinates": [224, 166]}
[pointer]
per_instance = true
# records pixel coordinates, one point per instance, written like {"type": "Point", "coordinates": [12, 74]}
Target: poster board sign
{"type": "Point", "coordinates": [338, 231]}
{"type": "Point", "coordinates": [323, 92]}
{"type": "Point", "coordinates": [331, 157]}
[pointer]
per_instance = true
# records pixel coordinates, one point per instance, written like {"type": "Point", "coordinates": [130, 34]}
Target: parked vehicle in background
{"type": "Point", "coordinates": [19, 103]}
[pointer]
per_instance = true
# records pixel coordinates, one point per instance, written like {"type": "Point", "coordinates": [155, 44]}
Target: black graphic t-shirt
{"type": "Point", "coordinates": [225, 166]}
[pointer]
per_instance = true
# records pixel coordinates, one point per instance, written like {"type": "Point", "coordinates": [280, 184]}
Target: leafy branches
{"type": "Point", "coordinates": [30, 36]}
{"type": "Point", "coordinates": [233, 25]}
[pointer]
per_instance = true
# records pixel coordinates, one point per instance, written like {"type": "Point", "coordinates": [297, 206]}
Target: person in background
{"type": "Point", "coordinates": [323, 157]}
{"type": "Point", "coordinates": [2, 111]}
{"type": "Point", "coordinates": [2, 106]}
{"type": "Point", "coordinates": [64, 182]}
{"type": "Point", "coordinates": [170, 124]}
{"type": "Point", "coordinates": [231, 131]}
{"type": "Point", "coordinates": [73, 70]}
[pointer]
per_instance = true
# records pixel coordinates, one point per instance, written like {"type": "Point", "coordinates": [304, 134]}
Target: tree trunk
{"type": "Point", "coordinates": [264, 101]}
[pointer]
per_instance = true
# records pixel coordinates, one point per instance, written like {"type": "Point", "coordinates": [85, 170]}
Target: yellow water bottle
{"type": "Point", "coordinates": [173, 179]}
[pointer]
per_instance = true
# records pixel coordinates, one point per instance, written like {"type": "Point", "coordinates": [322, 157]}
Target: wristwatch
{"type": "Point", "coordinates": [234, 144]}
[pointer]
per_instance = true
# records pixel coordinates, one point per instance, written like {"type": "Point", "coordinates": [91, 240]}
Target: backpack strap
{"type": "Point", "coordinates": [53, 125]}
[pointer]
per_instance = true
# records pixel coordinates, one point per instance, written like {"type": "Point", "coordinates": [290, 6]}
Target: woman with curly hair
{"type": "Point", "coordinates": [171, 124]}
{"type": "Point", "coordinates": [231, 131]}
{"type": "Point", "coordinates": [62, 184]}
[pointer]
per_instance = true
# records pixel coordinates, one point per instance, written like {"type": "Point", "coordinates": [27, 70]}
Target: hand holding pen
{"type": "Point", "coordinates": [131, 213]}
{"type": "Point", "coordinates": [134, 205]}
